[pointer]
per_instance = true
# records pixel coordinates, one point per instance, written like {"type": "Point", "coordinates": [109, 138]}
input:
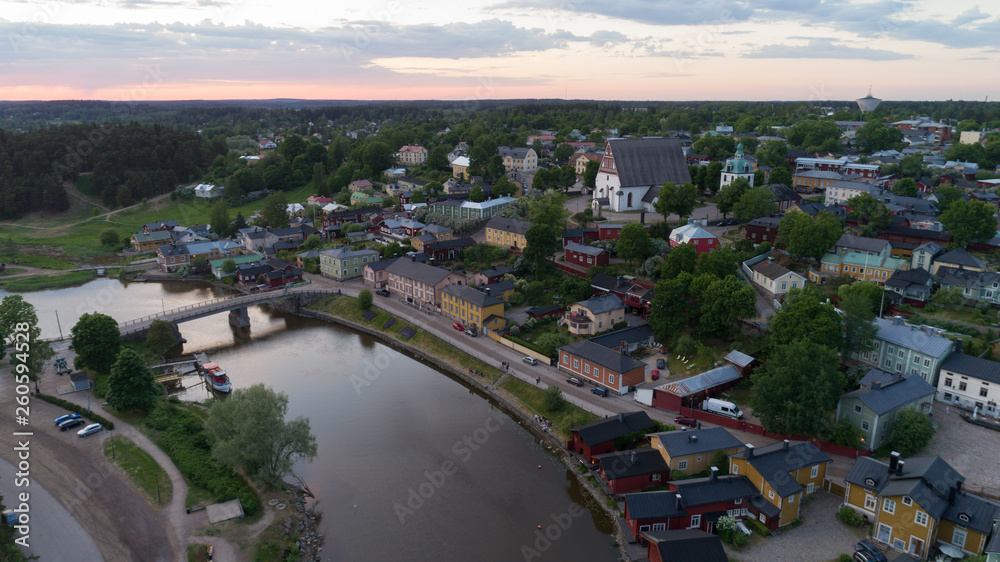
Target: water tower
{"type": "Point", "coordinates": [868, 103]}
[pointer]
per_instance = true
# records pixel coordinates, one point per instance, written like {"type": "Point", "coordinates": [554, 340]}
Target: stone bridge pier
{"type": "Point", "coordinates": [240, 319]}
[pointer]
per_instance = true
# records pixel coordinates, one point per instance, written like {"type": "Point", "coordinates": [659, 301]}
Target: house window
{"type": "Point", "coordinates": [576, 363]}
{"type": "Point", "coordinates": [682, 465]}
{"type": "Point", "coordinates": [947, 382]}
{"type": "Point", "coordinates": [870, 502]}
{"type": "Point", "coordinates": [900, 353]}
{"type": "Point", "coordinates": [696, 518]}
{"type": "Point", "coordinates": [889, 506]}
{"type": "Point", "coordinates": [566, 359]}
{"type": "Point", "coordinates": [586, 368]}
{"type": "Point", "coordinates": [770, 494]}
{"type": "Point", "coordinates": [947, 396]}
{"type": "Point", "coordinates": [810, 488]}
{"type": "Point", "coordinates": [791, 499]}
{"type": "Point", "coordinates": [857, 408]}
{"type": "Point", "coordinates": [984, 391]}
{"type": "Point", "coordinates": [814, 471]}
{"type": "Point", "coordinates": [958, 538]}
{"type": "Point", "coordinates": [865, 426]}
{"type": "Point", "coordinates": [916, 359]}
{"type": "Point", "coordinates": [961, 385]}
{"type": "Point", "coordinates": [888, 362]}
{"type": "Point", "coordinates": [659, 526]}
{"type": "Point", "coordinates": [738, 501]}
{"type": "Point", "coordinates": [611, 379]}
{"type": "Point", "coordinates": [907, 500]}
{"type": "Point", "coordinates": [655, 477]}
{"type": "Point", "coordinates": [762, 518]}
{"type": "Point", "coordinates": [927, 362]}
{"type": "Point", "coordinates": [920, 518]}
{"type": "Point", "coordinates": [891, 350]}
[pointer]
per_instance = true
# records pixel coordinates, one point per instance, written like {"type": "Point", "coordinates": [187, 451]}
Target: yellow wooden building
{"type": "Point", "coordinates": [472, 307]}
{"type": "Point", "coordinates": [784, 473]}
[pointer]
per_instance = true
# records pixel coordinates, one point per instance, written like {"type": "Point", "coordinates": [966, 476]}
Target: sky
{"type": "Point", "coordinates": [137, 50]}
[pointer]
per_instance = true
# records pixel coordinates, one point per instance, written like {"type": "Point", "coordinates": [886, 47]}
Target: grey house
{"type": "Point", "coordinates": [873, 407]}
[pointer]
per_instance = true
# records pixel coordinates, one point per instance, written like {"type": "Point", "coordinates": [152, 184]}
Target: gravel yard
{"type": "Point", "coordinates": [965, 446]}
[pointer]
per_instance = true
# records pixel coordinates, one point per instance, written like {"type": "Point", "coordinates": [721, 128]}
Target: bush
{"type": "Point", "coordinates": [101, 386]}
{"type": "Point", "coordinates": [741, 540]}
{"type": "Point", "coordinates": [845, 558]}
{"type": "Point", "coordinates": [849, 516]}
{"type": "Point", "coordinates": [911, 432]}
{"type": "Point", "coordinates": [365, 299]}
{"type": "Point", "coordinates": [757, 527]}
{"type": "Point", "coordinates": [554, 400]}
{"type": "Point", "coordinates": [727, 528]}
{"type": "Point", "coordinates": [108, 424]}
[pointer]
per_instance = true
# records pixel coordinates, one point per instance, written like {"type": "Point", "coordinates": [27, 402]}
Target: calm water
{"type": "Point", "coordinates": [412, 465]}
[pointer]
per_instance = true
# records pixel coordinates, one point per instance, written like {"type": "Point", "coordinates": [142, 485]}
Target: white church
{"type": "Point", "coordinates": [633, 171]}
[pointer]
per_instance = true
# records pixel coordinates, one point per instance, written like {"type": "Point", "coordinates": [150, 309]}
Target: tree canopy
{"type": "Point", "coordinates": [161, 336]}
{"type": "Point", "coordinates": [806, 316]}
{"type": "Point", "coordinates": [274, 210]}
{"type": "Point", "coordinates": [725, 302]}
{"type": "Point", "coordinates": [969, 221]}
{"type": "Point", "coordinates": [15, 313]}
{"type": "Point", "coordinates": [905, 187]}
{"type": "Point", "coordinates": [754, 203]}
{"type": "Point", "coordinates": [859, 323]}
{"type": "Point", "coordinates": [871, 214]}
{"type": "Point", "coordinates": [676, 200]}
{"type": "Point", "coordinates": [805, 236]}
{"type": "Point", "coordinates": [540, 244]}
{"type": "Point", "coordinates": [911, 432]}
{"type": "Point", "coordinates": [875, 135]}
{"type": "Point", "coordinates": [796, 388]}
{"type": "Point", "coordinates": [131, 385]}
{"type": "Point", "coordinates": [633, 242]}
{"type": "Point", "coordinates": [96, 340]}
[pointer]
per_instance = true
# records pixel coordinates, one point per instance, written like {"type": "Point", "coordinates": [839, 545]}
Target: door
{"type": "Point", "coordinates": [916, 546]}
{"type": "Point", "coordinates": [884, 533]}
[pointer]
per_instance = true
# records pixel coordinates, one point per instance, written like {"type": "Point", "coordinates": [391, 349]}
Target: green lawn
{"type": "Point", "coordinates": [567, 417]}
{"type": "Point", "coordinates": [12, 271]}
{"type": "Point", "coordinates": [140, 468]}
{"type": "Point", "coordinates": [39, 282]}
{"type": "Point", "coordinates": [35, 260]}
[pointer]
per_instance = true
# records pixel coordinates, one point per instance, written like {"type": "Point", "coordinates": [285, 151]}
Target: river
{"type": "Point", "coordinates": [411, 465]}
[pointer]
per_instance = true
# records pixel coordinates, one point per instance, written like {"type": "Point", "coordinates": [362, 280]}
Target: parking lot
{"type": "Point", "coordinates": [965, 447]}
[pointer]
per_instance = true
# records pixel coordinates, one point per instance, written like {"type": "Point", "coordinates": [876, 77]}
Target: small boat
{"type": "Point", "coordinates": [215, 377]}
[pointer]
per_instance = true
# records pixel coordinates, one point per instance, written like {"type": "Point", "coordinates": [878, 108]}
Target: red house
{"type": "Point", "coordinates": [697, 159]}
{"type": "Point", "coordinates": [610, 231]}
{"type": "Point", "coordinates": [634, 470]}
{"type": "Point", "coordinates": [579, 235]}
{"type": "Point", "coordinates": [764, 229]}
{"type": "Point", "coordinates": [696, 503]}
{"type": "Point", "coordinates": [598, 437]}
{"type": "Point", "coordinates": [282, 277]}
{"type": "Point", "coordinates": [448, 249]}
{"type": "Point", "coordinates": [686, 544]}
{"type": "Point", "coordinates": [703, 240]}
{"type": "Point", "coordinates": [351, 216]}
{"type": "Point", "coordinates": [586, 256]}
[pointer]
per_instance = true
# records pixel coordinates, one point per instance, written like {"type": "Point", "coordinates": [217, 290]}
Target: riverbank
{"type": "Point", "coordinates": [41, 282]}
{"type": "Point", "coordinates": [493, 385]}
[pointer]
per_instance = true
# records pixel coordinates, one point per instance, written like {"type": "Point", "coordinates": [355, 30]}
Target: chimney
{"type": "Point", "coordinates": [897, 320]}
{"type": "Point", "coordinates": [413, 258]}
{"type": "Point", "coordinates": [699, 425]}
{"type": "Point", "coordinates": [678, 497]}
{"type": "Point", "coordinates": [958, 345]}
{"type": "Point", "coordinates": [952, 493]}
{"type": "Point", "coordinates": [877, 385]}
{"type": "Point", "coordinates": [642, 217]}
{"type": "Point", "coordinates": [487, 291]}
{"type": "Point", "coordinates": [632, 457]}
{"type": "Point", "coordinates": [690, 220]}
{"type": "Point", "coordinates": [715, 473]}
{"type": "Point", "coordinates": [749, 451]}
{"type": "Point", "coordinates": [893, 461]}
{"type": "Point", "coordinates": [784, 445]}
{"type": "Point", "coordinates": [621, 417]}
{"type": "Point", "coordinates": [899, 467]}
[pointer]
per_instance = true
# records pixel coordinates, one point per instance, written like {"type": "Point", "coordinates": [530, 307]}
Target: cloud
{"type": "Point", "coordinates": [657, 12]}
{"type": "Point", "coordinates": [823, 48]}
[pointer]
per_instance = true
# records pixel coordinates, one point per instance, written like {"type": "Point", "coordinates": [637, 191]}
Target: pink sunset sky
{"type": "Point", "coordinates": [134, 50]}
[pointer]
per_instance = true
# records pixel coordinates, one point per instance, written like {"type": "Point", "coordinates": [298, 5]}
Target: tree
{"type": "Point", "coordinates": [859, 324]}
{"type": "Point", "coordinates": [725, 303]}
{"type": "Point", "coordinates": [549, 342]}
{"type": "Point", "coordinates": [796, 388]}
{"type": "Point", "coordinates": [682, 258]}
{"type": "Point", "coordinates": [805, 236]}
{"type": "Point", "coordinates": [676, 199]}
{"type": "Point", "coordinates": [730, 195]}
{"type": "Point", "coordinates": [875, 135]}
{"type": "Point", "coordinates": [131, 385]}
{"type": "Point", "coordinates": [868, 289]}
{"type": "Point", "coordinates": [199, 265]}
{"type": "Point", "coordinates": [274, 210]}
{"type": "Point", "coordinates": [418, 196]}
{"type": "Point", "coordinates": [392, 250]}
{"type": "Point", "coordinates": [912, 165]}
{"type": "Point", "coordinates": [161, 336]}
{"type": "Point", "coordinates": [633, 243]}
{"type": "Point", "coordinates": [19, 326]}
{"type": "Point", "coordinates": [720, 262]}
{"type": "Point", "coordinates": [846, 434]}
{"type": "Point", "coordinates": [869, 212]}
{"type": "Point", "coordinates": [541, 244]}
{"type": "Point", "coordinates": [905, 187]}
{"type": "Point", "coordinates": [755, 203]}
{"type": "Point", "coordinates": [109, 237]}
{"type": "Point", "coordinates": [549, 210]}
{"type": "Point", "coordinates": [946, 195]}
{"type": "Point", "coordinates": [911, 432]}
{"type": "Point", "coordinates": [239, 222]}
{"type": "Point", "coordinates": [715, 147]}
{"type": "Point", "coordinates": [437, 159]}
{"type": "Point", "coordinates": [781, 175]}
{"type": "Point", "coordinates": [292, 146]}
{"type": "Point", "coordinates": [720, 460]}
{"type": "Point", "coordinates": [378, 156]}
{"type": "Point", "coordinates": [948, 297]}
{"type": "Point", "coordinates": [365, 299]}
{"type": "Point", "coordinates": [970, 220]}
{"type": "Point", "coordinates": [804, 315]}
{"type": "Point", "coordinates": [96, 340]}
{"type": "Point", "coordinates": [590, 173]}
{"type": "Point", "coordinates": [671, 308]}
{"type": "Point", "coordinates": [432, 190]}
{"type": "Point", "coordinates": [553, 399]}
{"type": "Point", "coordinates": [476, 194]}
{"type": "Point", "coordinates": [251, 434]}
{"type": "Point", "coordinates": [562, 152]}
{"type": "Point", "coordinates": [219, 219]}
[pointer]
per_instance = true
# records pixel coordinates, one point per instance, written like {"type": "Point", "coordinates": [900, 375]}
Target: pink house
{"type": "Point", "coordinates": [703, 240]}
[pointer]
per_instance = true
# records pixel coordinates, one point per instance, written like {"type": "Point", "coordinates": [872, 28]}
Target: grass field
{"type": "Point", "coordinates": [144, 472]}
{"type": "Point", "coordinates": [40, 282]}
{"type": "Point", "coordinates": [534, 399]}
{"type": "Point", "coordinates": [12, 271]}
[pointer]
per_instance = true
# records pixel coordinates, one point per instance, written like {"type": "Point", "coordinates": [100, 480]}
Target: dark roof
{"type": "Point", "coordinates": [893, 393]}
{"type": "Point", "coordinates": [418, 271]}
{"type": "Point", "coordinates": [649, 162]}
{"type": "Point", "coordinates": [587, 250]}
{"type": "Point", "coordinates": [906, 277]}
{"type": "Point", "coordinates": [635, 334]}
{"type": "Point", "coordinates": [647, 505]}
{"type": "Point", "coordinates": [774, 462]}
{"type": "Point", "coordinates": [876, 375]}
{"type": "Point", "coordinates": [687, 545]}
{"type": "Point", "coordinates": [865, 469]}
{"type": "Point", "coordinates": [609, 429]}
{"type": "Point", "coordinates": [603, 303]}
{"type": "Point", "coordinates": [508, 225]}
{"type": "Point", "coordinates": [514, 151]}
{"type": "Point", "coordinates": [960, 257]}
{"type": "Point", "coordinates": [939, 235]}
{"type": "Point", "coordinates": [608, 283]}
{"type": "Point", "coordinates": [971, 366]}
{"type": "Point", "coordinates": [782, 192]}
{"type": "Point", "coordinates": [471, 296]}
{"type": "Point", "coordinates": [498, 288]}
{"type": "Point", "coordinates": [451, 244]}
{"type": "Point", "coordinates": [621, 464]}
{"type": "Point", "coordinates": [702, 491]}
{"type": "Point", "coordinates": [283, 273]}
{"type": "Point", "coordinates": [381, 264]}
{"type": "Point", "coordinates": [771, 270]}
{"type": "Point", "coordinates": [498, 271]}
{"type": "Point", "coordinates": [161, 225]}
{"type": "Point", "coordinates": [766, 222]}
{"type": "Point", "coordinates": [684, 443]}
{"type": "Point", "coordinates": [862, 243]}
{"type": "Point", "coordinates": [578, 232]}
{"type": "Point", "coordinates": [765, 507]}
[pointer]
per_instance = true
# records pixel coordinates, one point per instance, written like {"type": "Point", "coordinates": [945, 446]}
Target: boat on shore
{"type": "Point", "coordinates": [216, 378]}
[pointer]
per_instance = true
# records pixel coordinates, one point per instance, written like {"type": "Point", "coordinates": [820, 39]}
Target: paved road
{"type": "Point", "coordinates": [54, 533]}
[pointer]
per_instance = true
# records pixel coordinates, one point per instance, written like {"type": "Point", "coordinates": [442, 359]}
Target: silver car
{"type": "Point", "coordinates": [90, 429]}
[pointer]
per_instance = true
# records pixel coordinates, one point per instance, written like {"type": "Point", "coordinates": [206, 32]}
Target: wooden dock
{"type": "Point", "coordinates": [172, 372]}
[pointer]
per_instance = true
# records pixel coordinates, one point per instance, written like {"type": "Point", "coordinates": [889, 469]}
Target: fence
{"type": "Point", "coordinates": [748, 265]}
{"type": "Point", "coordinates": [740, 425]}
{"type": "Point", "coordinates": [834, 488]}
{"type": "Point", "coordinates": [519, 348]}
{"type": "Point", "coordinates": [572, 270]}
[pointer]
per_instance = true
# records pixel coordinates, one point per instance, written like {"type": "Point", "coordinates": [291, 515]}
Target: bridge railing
{"type": "Point", "coordinates": [225, 301]}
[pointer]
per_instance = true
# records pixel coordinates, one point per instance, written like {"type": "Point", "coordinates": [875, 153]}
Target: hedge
{"type": "Point", "coordinates": [108, 424]}
{"type": "Point", "coordinates": [757, 526]}
{"type": "Point", "coordinates": [529, 345]}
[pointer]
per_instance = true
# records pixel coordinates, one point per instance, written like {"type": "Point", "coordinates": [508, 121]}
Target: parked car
{"type": "Point", "coordinates": [869, 549]}
{"type": "Point", "coordinates": [600, 391]}
{"type": "Point", "coordinates": [655, 375]}
{"type": "Point", "coordinates": [574, 381]}
{"type": "Point", "coordinates": [660, 363]}
{"type": "Point", "coordinates": [458, 326]}
{"type": "Point", "coordinates": [71, 423]}
{"type": "Point", "coordinates": [382, 293]}
{"type": "Point", "coordinates": [683, 420]}
{"type": "Point", "coordinates": [530, 360]}
{"type": "Point", "coordinates": [61, 419]}
{"type": "Point", "coordinates": [90, 430]}
{"type": "Point", "coordinates": [471, 332]}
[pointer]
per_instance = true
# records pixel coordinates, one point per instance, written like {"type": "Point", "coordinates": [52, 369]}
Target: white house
{"type": "Point", "coordinates": [207, 191]}
{"type": "Point", "coordinates": [633, 171]}
{"type": "Point", "coordinates": [776, 279]}
{"type": "Point", "coordinates": [970, 382]}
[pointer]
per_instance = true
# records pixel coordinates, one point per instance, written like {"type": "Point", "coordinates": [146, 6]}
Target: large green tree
{"type": "Point", "coordinates": [219, 219]}
{"type": "Point", "coordinates": [724, 303]}
{"type": "Point", "coordinates": [682, 258]}
{"type": "Point", "coordinates": [905, 187]}
{"type": "Point", "coordinates": [871, 214]}
{"type": "Point", "coordinates": [633, 243]}
{"type": "Point", "coordinates": [859, 324]}
{"type": "Point", "coordinates": [540, 244]}
{"type": "Point", "coordinates": [806, 316]}
{"type": "Point", "coordinates": [549, 209]}
{"type": "Point", "coordinates": [946, 195]}
{"type": "Point", "coordinates": [274, 210]}
{"type": "Point", "coordinates": [590, 173]}
{"type": "Point", "coordinates": [378, 156]}
{"type": "Point", "coordinates": [754, 203]}
{"type": "Point", "coordinates": [19, 329]}
{"type": "Point", "coordinates": [911, 432]}
{"type": "Point", "coordinates": [805, 236]}
{"type": "Point", "coordinates": [969, 221]}
{"type": "Point", "coordinates": [868, 289]}
{"type": "Point", "coordinates": [875, 135]}
{"type": "Point", "coordinates": [676, 200]}
{"type": "Point", "coordinates": [797, 387]}
{"type": "Point", "coordinates": [161, 336]}
{"type": "Point", "coordinates": [251, 434]}
{"type": "Point", "coordinates": [131, 386]}
{"type": "Point", "coordinates": [731, 194]}
{"type": "Point", "coordinates": [671, 308]}
{"type": "Point", "coordinates": [96, 340]}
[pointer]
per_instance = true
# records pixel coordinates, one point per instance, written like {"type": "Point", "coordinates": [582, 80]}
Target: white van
{"type": "Point", "coordinates": [723, 408]}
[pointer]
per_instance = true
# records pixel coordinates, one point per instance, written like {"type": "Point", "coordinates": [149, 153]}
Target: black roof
{"type": "Point", "coordinates": [687, 545]}
{"type": "Point", "coordinates": [609, 429]}
{"type": "Point", "coordinates": [649, 161]}
{"type": "Point", "coordinates": [622, 464]}
{"type": "Point", "coordinates": [609, 283]}
{"type": "Point", "coordinates": [450, 244]}
{"type": "Point", "coordinates": [381, 264]}
{"type": "Point", "coordinates": [782, 192]}
{"type": "Point", "coordinates": [635, 334]}
{"type": "Point", "coordinates": [971, 366]}
{"type": "Point", "coordinates": [684, 443]}
{"type": "Point", "coordinates": [936, 235]}
{"type": "Point", "coordinates": [885, 396]}
{"type": "Point", "coordinates": [508, 225]}
{"type": "Point", "coordinates": [596, 353]}
{"type": "Point", "coordinates": [497, 271]}
{"type": "Point", "coordinates": [960, 257]}
{"type": "Point", "coordinates": [703, 491]}
{"type": "Point", "coordinates": [646, 505]}
{"type": "Point", "coordinates": [774, 462]}
{"type": "Point", "coordinates": [766, 222]}
{"type": "Point", "coordinates": [907, 277]}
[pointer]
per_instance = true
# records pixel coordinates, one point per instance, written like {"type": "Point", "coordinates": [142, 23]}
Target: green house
{"type": "Point", "coordinates": [873, 408]}
{"type": "Point", "coordinates": [216, 264]}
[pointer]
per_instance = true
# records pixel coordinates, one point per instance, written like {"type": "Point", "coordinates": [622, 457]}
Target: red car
{"type": "Point", "coordinates": [690, 422]}
{"type": "Point", "coordinates": [458, 326]}
{"type": "Point", "coordinates": [655, 375]}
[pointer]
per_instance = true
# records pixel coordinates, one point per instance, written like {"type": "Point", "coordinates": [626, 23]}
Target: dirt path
{"type": "Point", "coordinates": [72, 191]}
